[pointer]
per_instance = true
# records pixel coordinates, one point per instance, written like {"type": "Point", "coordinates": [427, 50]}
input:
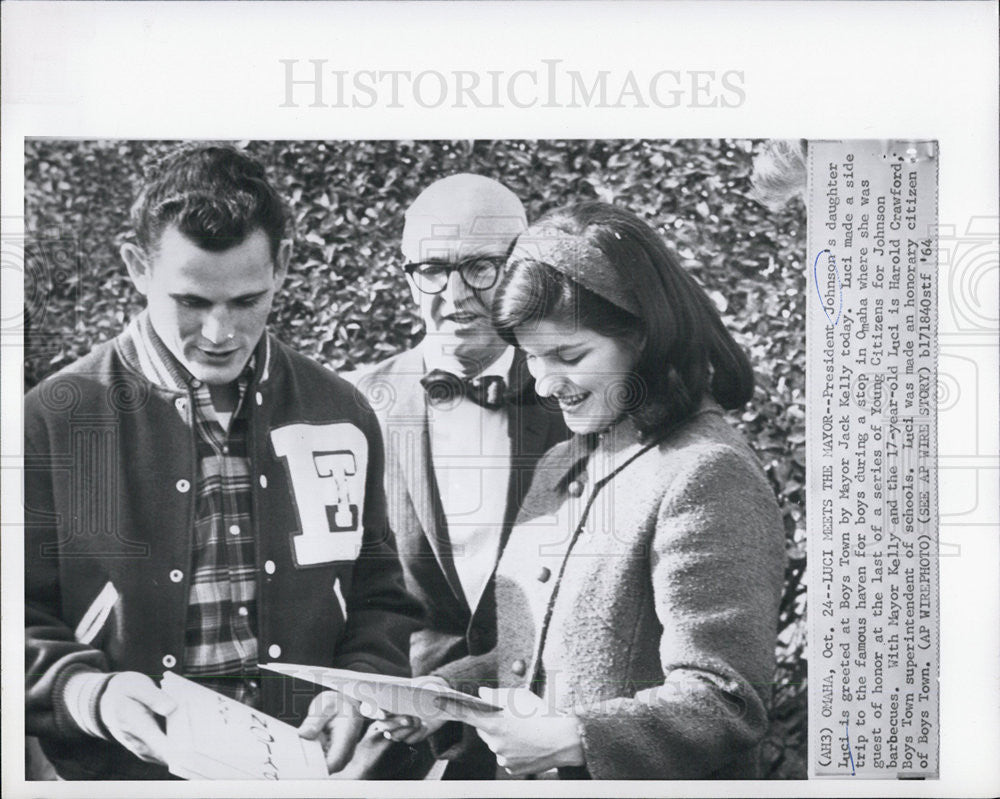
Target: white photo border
{"type": "Point", "coordinates": [922, 70]}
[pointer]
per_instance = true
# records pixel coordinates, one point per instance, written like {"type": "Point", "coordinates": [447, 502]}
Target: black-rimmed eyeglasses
{"type": "Point", "coordinates": [479, 274]}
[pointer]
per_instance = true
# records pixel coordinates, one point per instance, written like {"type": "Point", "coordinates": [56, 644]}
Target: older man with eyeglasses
{"type": "Point", "coordinates": [463, 431]}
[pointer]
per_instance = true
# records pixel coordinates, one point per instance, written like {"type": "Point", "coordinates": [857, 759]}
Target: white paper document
{"type": "Point", "coordinates": [405, 696]}
{"type": "Point", "coordinates": [213, 737]}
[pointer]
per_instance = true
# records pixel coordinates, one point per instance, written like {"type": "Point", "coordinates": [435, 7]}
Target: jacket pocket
{"type": "Point", "coordinates": [97, 614]}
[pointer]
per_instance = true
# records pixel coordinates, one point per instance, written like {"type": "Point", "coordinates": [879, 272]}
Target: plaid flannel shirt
{"type": "Point", "coordinates": [221, 630]}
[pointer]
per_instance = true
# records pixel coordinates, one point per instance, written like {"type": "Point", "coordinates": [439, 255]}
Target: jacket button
{"type": "Point", "coordinates": [519, 667]}
{"type": "Point", "coordinates": [544, 574]}
{"type": "Point", "coordinates": [269, 566]}
{"type": "Point", "coordinates": [243, 611]}
{"type": "Point", "coordinates": [263, 481]}
{"type": "Point", "coordinates": [176, 576]}
{"type": "Point", "coordinates": [183, 486]}
{"type": "Point", "coordinates": [274, 651]}
{"type": "Point", "coordinates": [259, 397]}
{"type": "Point", "coordinates": [234, 529]}
{"type": "Point", "coordinates": [181, 404]}
{"type": "Point", "coordinates": [196, 383]}
{"type": "Point", "coordinates": [169, 661]}
{"type": "Point", "coordinates": [575, 488]}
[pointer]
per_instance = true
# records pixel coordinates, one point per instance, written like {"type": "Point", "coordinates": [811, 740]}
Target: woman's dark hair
{"type": "Point", "coordinates": [687, 353]}
{"type": "Point", "coordinates": [215, 195]}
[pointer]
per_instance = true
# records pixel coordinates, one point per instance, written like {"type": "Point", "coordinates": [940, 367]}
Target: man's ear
{"type": "Point", "coordinates": [281, 261]}
{"type": "Point", "coordinates": [137, 265]}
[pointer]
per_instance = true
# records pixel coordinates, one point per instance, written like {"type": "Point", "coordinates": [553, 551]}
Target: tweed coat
{"type": "Point", "coordinates": [639, 590]}
{"type": "Point", "coordinates": [451, 629]}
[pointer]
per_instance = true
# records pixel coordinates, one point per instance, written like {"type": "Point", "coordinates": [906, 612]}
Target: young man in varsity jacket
{"type": "Point", "coordinates": [200, 498]}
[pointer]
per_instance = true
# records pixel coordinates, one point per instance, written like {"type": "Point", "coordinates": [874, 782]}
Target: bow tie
{"type": "Point", "coordinates": [444, 388]}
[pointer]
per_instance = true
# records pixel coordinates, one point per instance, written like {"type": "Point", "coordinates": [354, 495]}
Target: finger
{"type": "Point", "coordinates": [370, 711]}
{"type": "Point", "coordinates": [491, 741]}
{"type": "Point", "coordinates": [482, 721]}
{"type": "Point", "coordinates": [344, 734]}
{"type": "Point", "coordinates": [323, 707]}
{"type": "Point", "coordinates": [396, 723]}
{"type": "Point", "coordinates": [417, 736]}
{"type": "Point", "coordinates": [143, 690]}
{"type": "Point", "coordinates": [495, 696]}
{"type": "Point", "coordinates": [457, 709]}
{"type": "Point", "coordinates": [406, 729]}
{"type": "Point", "coordinates": [406, 736]}
{"type": "Point", "coordinates": [140, 750]}
{"type": "Point", "coordinates": [147, 740]}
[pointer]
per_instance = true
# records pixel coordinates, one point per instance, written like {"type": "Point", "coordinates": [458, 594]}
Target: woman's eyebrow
{"type": "Point", "coordinates": [558, 349]}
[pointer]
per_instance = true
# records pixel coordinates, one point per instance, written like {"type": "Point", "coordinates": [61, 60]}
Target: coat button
{"type": "Point", "coordinates": [519, 667]}
{"type": "Point", "coordinates": [181, 404]}
{"type": "Point", "coordinates": [169, 661]}
{"type": "Point", "coordinates": [234, 529]}
{"type": "Point", "coordinates": [263, 481]}
{"type": "Point", "coordinates": [259, 397]}
{"type": "Point", "coordinates": [269, 566]}
{"type": "Point", "coordinates": [544, 574]}
{"type": "Point", "coordinates": [196, 384]}
{"type": "Point", "coordinates": [183, 486]}
{"type": "Point", "coordinates": [274, 651]}
{"type": "Point", "coordinates": [176, 576]}
{"type": "Point", "coordinates": [575, 488]}
{"type": "Point", "coordinates": [242, 610]}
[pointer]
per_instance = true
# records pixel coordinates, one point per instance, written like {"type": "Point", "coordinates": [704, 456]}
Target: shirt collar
{"type": "Point", "coordinates": [501, 366]}
{"type": "Point", "coordinates": [142, 347]}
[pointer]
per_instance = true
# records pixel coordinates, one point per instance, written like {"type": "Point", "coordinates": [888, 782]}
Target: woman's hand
{"type": "Point", "coordinates": [527, 736]}
{"type": "Point", "coordinates": [409, 729]}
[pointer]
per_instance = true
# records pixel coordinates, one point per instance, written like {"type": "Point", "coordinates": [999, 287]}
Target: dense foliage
{"type": "Point", "coordinates": [346, 303]}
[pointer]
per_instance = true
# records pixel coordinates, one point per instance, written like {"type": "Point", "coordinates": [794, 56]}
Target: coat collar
{"type": "Point", "coordinates": [143, 350]}
{"type": "Point", "coordinates": [593, 458]}
{"type": "Point", "coordinates": [529, 428]}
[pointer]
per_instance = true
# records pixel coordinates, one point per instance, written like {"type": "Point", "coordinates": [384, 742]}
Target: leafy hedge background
{"type": "Point", "coordinates": [346, 302]}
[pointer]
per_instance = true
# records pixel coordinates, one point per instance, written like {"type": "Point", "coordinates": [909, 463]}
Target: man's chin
{"type": "Point", "coordinates": [475, 334]}
{"type": "Point", "coordinates": [214, 375]}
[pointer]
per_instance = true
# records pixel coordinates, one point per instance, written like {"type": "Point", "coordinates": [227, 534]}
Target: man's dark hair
{"type": "Point", "coordinates": [215, 195]}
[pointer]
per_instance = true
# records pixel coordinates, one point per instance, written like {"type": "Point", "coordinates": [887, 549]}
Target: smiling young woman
{"type": "Point", "coordinates": [637, 595]}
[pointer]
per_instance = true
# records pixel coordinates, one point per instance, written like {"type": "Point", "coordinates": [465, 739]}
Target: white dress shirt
{"type": "Point", "coordinates": [470, 453]}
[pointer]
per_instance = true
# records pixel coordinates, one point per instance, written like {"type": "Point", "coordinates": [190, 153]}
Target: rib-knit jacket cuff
{"type": "Point", "coordinates": [76, 700]}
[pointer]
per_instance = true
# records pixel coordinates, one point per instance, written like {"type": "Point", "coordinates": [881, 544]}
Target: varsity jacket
{"type": "Point", "coordinates": [110, 473]}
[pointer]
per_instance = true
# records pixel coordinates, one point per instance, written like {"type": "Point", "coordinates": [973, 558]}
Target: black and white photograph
{"type": "Point", "coordinates": [462, 398]}
{"type": "Point", "coordinates": [519, 419]}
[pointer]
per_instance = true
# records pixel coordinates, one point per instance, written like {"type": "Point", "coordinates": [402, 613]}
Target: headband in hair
{"type": "Point", "coordinates": [579, 260]}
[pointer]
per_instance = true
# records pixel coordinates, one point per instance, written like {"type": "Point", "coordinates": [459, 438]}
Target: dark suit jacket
{"type": "Point", "coordinates": [416, 516]}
